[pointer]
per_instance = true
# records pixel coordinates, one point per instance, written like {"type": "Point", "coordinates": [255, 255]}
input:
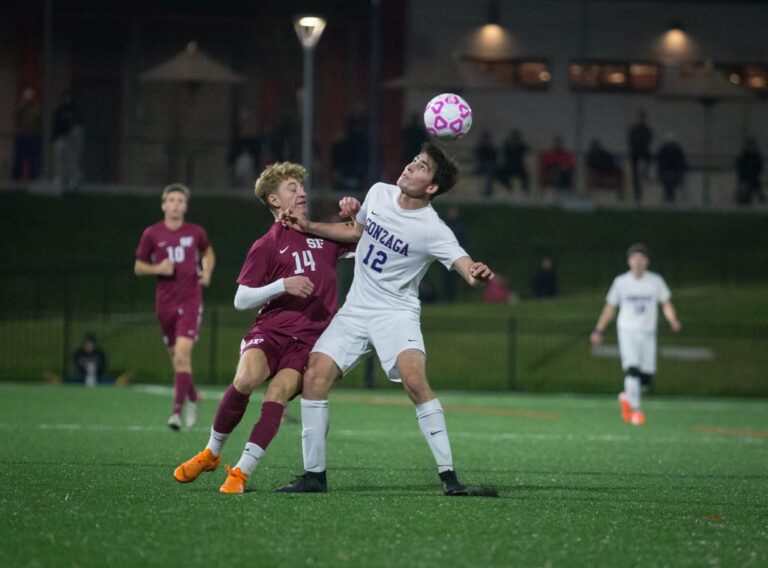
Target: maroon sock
{"type": "Point", "coordinates": [267, 426]}
{"type": "Point", "coordinates": [230, 411]}
{"type": "Point", "coordinates": [181, 384]}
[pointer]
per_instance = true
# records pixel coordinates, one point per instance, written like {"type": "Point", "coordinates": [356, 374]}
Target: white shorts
{"type": "Point", "coordinates": [354, 333]}
{"type": "Point", "coordinates": [638, 349]}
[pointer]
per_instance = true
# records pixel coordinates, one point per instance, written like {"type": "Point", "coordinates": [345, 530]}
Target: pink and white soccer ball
{"type": "Point", "coordinates": [448, 117]}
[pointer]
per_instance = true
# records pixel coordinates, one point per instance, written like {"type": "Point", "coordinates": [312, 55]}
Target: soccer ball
{"type": "Point", "coordinates": [448, 117]}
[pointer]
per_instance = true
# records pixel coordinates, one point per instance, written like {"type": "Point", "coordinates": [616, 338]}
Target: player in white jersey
{"type": "Point", "coordinates": [636, 294]}
{"type": "Point", "coordinates": [399, 235]}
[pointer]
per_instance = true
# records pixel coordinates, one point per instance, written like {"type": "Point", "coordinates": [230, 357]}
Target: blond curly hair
{"type": "Point", "coordinates": [272, 176]}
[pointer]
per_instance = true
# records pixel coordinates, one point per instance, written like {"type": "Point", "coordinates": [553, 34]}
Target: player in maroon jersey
{"type": "Point", "coordinates": [291, 276]}
{"type": "Point", "coordinates": [181, 257]}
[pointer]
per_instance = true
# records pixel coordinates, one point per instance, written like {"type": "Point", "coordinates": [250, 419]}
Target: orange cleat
{"type": "Point", "coordinates": [191, 469]}
{"type": "Point", "coordinates": [626, 409]}
{"type": "Point", "coordinates": [638, 418]}
{"type": "Point", "coordinates": [235, 482]}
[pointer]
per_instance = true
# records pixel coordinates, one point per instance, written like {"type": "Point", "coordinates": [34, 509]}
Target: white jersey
{"type": "Point", "coordinates": [637, 300]}
{"type": "Point", "coordinates": [395, 251]}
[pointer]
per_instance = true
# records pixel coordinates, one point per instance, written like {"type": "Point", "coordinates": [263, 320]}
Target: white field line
{"type": "Point", "coordinates": [579, 402]}
{"type": "Point", "coordinates": [415, 435]}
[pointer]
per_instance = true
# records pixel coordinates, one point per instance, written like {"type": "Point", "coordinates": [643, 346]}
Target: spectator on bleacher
{"type": "Point", "coordinates": [244, 169]}
{"type": "Point", "coordinates": [749, 169]}
{"type": "Point", "coordinates": [545, 279]}
{"type": "Point", "coordinates": [557, 165]}
{"type": "Point", "coordinates": [602, 170]}
{"type": "Point", "coordinates": [27, 142]}
{"type": "Point", "coordinates": [412, 136]}
{"type": "Point", "coordinates": [639, 140]}
{"type": "Point", "coordinates": [497, 291]}
{"type": "Point", "coordinates": [600, 161]}
{"type": "Point", "coordinates": [671, 166]}
{"type": "Point", "coordinates": [513, 161]}
{"type": "Point", "coordinates": [485, 162]}
{"type": "Point", "coordinates": [90, 363]}
{"type": "Point", "coordinates": [349, 159]}
{"type": "Point", "coordinates": [67, 144]}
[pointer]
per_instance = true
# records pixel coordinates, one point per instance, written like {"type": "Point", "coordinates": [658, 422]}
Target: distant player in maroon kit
{"type": "Point", "coordinates": [291, 276]}
{"type": "Point", "coordinates": [181, 257]}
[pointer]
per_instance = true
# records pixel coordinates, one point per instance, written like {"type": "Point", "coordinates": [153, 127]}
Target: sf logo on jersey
{"type": "Point", "coordinates": [315, 243]}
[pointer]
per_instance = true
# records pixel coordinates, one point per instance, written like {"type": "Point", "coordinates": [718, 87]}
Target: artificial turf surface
{"type": "Point", "coordinates": [86, 480]}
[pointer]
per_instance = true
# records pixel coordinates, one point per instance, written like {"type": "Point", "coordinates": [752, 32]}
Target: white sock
{"type": "Point", "coordinates": [315, 417]}
{"type": "Point", "coordinates": [431, 420]}
{"type": "Point", "coordinates": [252, 454]}
{"type": "Point", "coordinates": [632, 390]}
{"type": "Point", "coordinates": [216, 442]}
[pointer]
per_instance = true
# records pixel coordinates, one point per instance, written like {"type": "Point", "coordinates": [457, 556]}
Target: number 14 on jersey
{"type": "Point", "coordinates": [303, 261]}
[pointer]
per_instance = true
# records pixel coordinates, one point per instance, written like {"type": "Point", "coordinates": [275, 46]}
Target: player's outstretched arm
{"type": "Point", "coordinates": [247, 298]}
{"type": "Point", "coordinates": [671, 314]}
{"type": "Point", "coordinates": [477, 274]}
{"type": "Point", "coordinates": [346, 232]}
{"type": "Point", "coordinates": [208, 262]}
{"type": "Point", "coordinates": [163, 268]}
{"type": "Point", "coordinates": [605, 319]}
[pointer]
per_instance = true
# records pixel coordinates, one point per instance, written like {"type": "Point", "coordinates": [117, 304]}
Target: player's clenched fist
{"type": "Point", "coordinates": [480, 271]}
{"type": "Point", "coordinates": [348, 207]}
{"type": "Point", "coordinates": [165, 267]}
{"type": "Point", "coordinates": [300, 286]}
{"type": "Point", "coordinates": [294, 219]}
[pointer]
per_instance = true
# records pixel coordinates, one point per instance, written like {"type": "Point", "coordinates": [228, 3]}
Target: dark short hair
{"type": "Point", "coordinates": [446, 170]}
{"type": "Point", "coordinates": [638, 247]}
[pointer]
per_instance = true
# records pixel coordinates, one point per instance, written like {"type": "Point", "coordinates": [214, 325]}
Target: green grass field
{"type": "Point", "coordinates": [86, 480]}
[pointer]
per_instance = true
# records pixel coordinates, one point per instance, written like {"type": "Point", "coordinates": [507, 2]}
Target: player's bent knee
{"type": "Point", "coordinates": [417, 387]}
{"type": "Point", "coordinates": [283, 387]}
{"type": "Point", "coordinates": [315, 378]}
{"type": "Point", "coordinates": [319, 377]}
{"type": "Point", "coordinates": [246, 384]}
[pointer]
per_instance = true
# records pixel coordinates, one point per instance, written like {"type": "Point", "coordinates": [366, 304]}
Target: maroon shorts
{"type": "Point", "coordinates": [180, 321]}
{"type": "Point", "coordinates": [282, 352]}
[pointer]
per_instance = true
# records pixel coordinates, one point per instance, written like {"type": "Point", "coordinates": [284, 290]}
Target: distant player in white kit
{"type": "Point", "coordinates": [400, 235]}
{"type": "Point", "coordinates": [636, 294]}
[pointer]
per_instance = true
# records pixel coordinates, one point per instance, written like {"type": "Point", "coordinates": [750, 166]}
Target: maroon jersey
{"type": "Point", "coordinates": [183, 246]}
{"type": "Point", "coordinates": [285, 252]}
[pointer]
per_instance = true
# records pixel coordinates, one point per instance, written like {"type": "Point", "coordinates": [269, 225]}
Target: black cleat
{"type": "Point", "coordinates": [451, 485]}
{"type": "Point", "coordinates": [310, 482]}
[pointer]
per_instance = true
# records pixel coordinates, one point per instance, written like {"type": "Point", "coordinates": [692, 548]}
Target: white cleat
{"type": "Point", "coordinates": [174, 422]}
{"type": "Point", "coordinates": [190, 414]}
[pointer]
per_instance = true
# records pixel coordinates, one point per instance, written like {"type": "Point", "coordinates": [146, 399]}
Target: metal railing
{"type": "Point", "coordinates": [475, 353]}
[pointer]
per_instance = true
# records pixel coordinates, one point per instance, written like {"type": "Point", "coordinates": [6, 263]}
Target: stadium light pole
{"type": "Point", "coordinates": [308, 29]}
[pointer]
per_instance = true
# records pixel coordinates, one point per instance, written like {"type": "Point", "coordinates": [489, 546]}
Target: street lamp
{"type": "Point", "coordinates": [308, 29]}
{"type": "Point", "coordinates": [675, 47]}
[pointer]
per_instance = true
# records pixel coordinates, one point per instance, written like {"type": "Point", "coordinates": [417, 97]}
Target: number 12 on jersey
{"type": "Point", "coordinates": [305, 260]}
{"type": "Point", "coordinates": [378, 259]}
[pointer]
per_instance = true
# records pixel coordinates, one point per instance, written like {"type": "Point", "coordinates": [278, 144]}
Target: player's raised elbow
{"type": "Point", "coordinates": [240, 303]}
